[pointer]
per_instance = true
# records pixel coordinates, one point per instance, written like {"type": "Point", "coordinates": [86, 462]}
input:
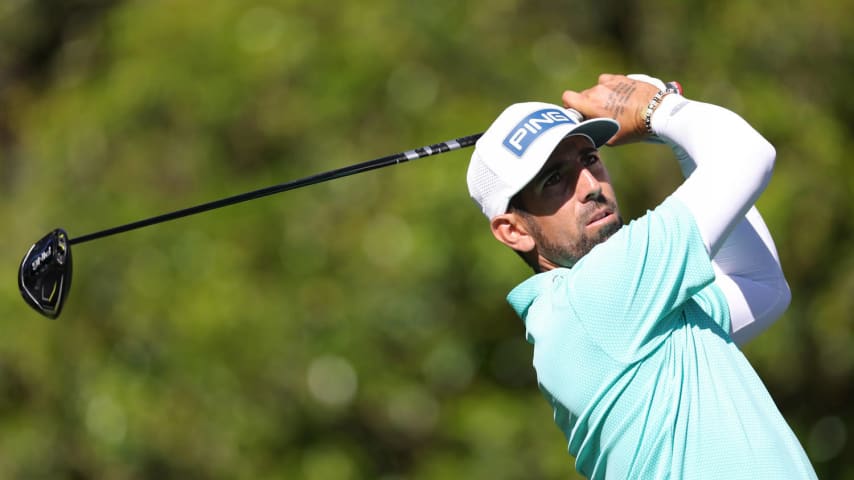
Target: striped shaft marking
{"type": "Point", "coordinates": [443, 147]}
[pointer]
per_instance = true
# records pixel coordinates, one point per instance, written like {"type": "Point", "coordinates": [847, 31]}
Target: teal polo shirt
{"type": "Point", "coordinates": [632, 349]}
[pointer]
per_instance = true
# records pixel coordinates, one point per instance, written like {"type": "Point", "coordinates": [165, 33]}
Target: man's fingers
{"type": "Point", "coordinates": [589, 102]}
{"type": "Point", "coordinates": [574, 100]}
{"type": "Point", "coordinates": [605, 77]}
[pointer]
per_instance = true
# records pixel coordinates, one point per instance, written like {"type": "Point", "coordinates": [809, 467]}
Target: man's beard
{"type": "Point", "coordinates": [569, 255]}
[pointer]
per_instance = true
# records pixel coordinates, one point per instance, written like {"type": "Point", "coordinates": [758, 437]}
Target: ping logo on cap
{"type": "Point", "coordinates": [531, 127]}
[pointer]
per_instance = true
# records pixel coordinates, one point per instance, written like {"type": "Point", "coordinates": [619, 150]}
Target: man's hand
{"type": "Point", "coordinates": [618, 97]}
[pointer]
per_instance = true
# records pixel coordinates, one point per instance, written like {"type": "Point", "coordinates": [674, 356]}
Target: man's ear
{"type": "Point", "coordinates": [511, 230]}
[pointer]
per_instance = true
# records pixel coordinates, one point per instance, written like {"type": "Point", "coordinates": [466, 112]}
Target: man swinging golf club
{"type": "Point", "coordinates": [635, 327]}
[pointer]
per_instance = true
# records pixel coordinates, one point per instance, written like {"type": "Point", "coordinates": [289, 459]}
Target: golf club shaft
{"type": "Point", "coordinates": [394, 159]}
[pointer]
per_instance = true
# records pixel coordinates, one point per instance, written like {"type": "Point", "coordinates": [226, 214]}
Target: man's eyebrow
{"type": "Point", "coordinates": [553, 164]}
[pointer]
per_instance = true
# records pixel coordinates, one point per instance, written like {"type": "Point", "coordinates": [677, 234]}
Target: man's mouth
{"type": "Point", "coordinates": [601, 216]}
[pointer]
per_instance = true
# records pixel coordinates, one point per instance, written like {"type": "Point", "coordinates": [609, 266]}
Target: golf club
{"type": "Point", "coordinates": [44, 276]}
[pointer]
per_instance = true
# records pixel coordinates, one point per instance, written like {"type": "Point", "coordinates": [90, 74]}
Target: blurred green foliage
{"type": "Point", "coordinates": [357, 329]}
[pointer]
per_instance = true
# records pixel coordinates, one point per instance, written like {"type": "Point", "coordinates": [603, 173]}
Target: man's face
{"type": "Point", "coordinates": [570, 206]}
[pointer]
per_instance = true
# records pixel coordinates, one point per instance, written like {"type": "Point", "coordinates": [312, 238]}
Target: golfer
{"type": "Point", "coordinates": [636, 326]}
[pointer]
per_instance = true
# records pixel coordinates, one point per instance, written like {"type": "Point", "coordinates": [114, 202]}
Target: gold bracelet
{"type": "Point", "coordinates": [672, 87]}
{"type": "Point", "coordinates": [653, 104]}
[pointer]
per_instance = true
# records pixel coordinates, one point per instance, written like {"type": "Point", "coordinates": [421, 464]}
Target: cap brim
{"type": "Point", "coordinates": [600, 130]}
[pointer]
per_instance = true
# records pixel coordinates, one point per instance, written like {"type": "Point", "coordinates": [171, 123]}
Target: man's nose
{"type": "Point", "coordinates": [588, 187]}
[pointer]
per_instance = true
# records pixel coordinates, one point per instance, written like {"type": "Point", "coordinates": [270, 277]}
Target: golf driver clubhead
{"type": "Point", "coordinates": [44, 276]}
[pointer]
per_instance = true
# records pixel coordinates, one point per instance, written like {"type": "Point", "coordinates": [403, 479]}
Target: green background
{"type": "Point", "coordinates": [358, 329]}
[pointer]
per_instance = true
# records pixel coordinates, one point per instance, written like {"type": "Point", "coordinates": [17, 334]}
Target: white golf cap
{"type": "Point", "coordinates": [516, 146]}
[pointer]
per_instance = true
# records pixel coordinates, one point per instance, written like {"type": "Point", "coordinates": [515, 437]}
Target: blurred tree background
{"type": "Point", "coordinates": [358, 329]}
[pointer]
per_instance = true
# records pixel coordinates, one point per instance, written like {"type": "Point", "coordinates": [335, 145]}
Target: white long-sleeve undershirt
{"type": "Point", "coordinates": [727, 165]}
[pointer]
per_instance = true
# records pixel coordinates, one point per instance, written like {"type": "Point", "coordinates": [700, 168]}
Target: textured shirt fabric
{"type": "Point", "coordinates": [631, 348]}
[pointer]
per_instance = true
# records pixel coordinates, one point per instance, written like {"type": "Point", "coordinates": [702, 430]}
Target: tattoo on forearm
{"type": "Point", "coordinates": [619, 97]}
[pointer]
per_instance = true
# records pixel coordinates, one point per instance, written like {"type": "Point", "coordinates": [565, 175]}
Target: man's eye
{"type": "Point", "coordinates": [553, 179]}
{"type": "Point", "coordinates": [590, 159]}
